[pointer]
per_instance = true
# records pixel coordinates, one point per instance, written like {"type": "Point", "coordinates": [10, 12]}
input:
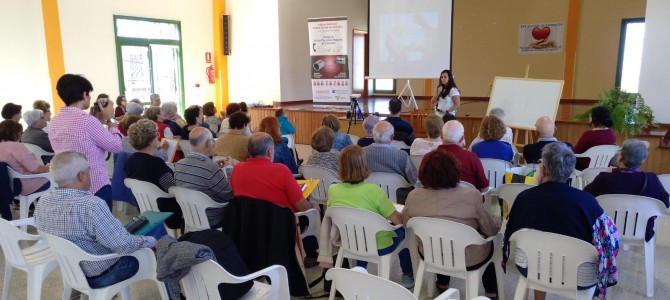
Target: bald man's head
{"type": "Point", "coordinates": [259, 145]}
{"type": "Point", "coordinates": [545, 126]}
{"type": "Point", "coordinates": [201, 141]}
{"type": "Point", "coordinates": [452, 132]}
{"type": "Point", "coordinates": [383, 132]}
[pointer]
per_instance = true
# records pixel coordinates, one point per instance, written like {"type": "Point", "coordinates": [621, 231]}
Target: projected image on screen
{"type": "Point", "coordinates": [408, 37]}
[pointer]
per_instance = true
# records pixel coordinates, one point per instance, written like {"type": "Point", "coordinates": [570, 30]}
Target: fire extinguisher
{"type": "Point", "coordinates": [210, 74]}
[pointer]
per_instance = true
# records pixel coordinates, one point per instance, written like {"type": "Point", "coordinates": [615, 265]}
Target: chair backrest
{"type": "Point", "coordinates": [314, 217]}
{"type": "Point", "coordinates": [399, 144]}
{"type": "Point", "coordinates": [69, 256]}
{"type": "Point", "coordinates": [146, 194]}
{"type": "Point", "coordinates": [553, 259]}
{"type": "Point", "coordinates": [444, 243]}
{"type": "Point", "coordinates": [185, 147]}
{"type": "Point", "coordinates": [353, 284]}
{"type": "Point", "coordinates": [466, 184]}
{"type": "Point", "coordinates": [193, 205]}
{"type": "Point", "coordinates": [119, 190]}
{"type": "Point", "coordinates": [358, 229]}
{"type": "Point", "coordinates": [416, 160]}
{"type": "Point", "coordinates": [630, 213]}
{"type": "Point", "coordinates": [37, 151]}
{"type": "Point", "coordinates": [665, 181]}
{"type": "Point", "coordinates": [495, 170]}
{"type": "Point", "coordinates": [291, 145]}
{"type": "Point", "coordinates": [13, 175]}
{"type": "Point", "coordinates": [588, 174]}
{"type": "Point", "coordinates": [326, 178]}
{"type": "Point", "coordinates": [354, 139]}
{"type": "Point", "coordinates": [600, 156]}
{"type": "Point", "coordinates": [203, 280]}
{"type": "Point", "coordinates": [509, 191]}
{"type": "Point", "coordinates": [389, 182]}
{"type": "Point", "coordinates": [9, 242]}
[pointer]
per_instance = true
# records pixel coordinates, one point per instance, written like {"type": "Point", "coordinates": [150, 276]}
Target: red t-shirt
{"type": "Point", "coordinates": [262, 179]}
{"type": "Point", "coordinates": [472, 170]}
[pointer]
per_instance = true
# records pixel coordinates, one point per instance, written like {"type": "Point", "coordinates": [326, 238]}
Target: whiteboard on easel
{"type": "Point", "coordinates": [525, 99]}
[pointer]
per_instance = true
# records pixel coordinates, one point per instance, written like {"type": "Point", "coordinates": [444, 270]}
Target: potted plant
{"type": "Point", "coordinates": [629, 112]}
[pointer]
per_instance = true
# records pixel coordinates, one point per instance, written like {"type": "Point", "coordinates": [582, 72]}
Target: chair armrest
{"type": "Point", "coordinates": [278, 280]}
{"type": "Point", "coordinates": [307, 212]}
{"type": "Point", "coordinates": [22, 222]}
{"type": "Point", "coordinates": [38, 175]}
{"type": "Point", "coordinates": [449, 294]}
{"type": "Point", "coordinates": [24, 236]}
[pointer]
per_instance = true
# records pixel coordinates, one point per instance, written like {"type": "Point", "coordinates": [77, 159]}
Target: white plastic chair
{"type": "Point", "coordinates": [354, 139]}
{"type": "Point", "coordinates": [444, 244]}
{"type": "Point", "coordinates": [37, 151]}
{"type": "Point", "coordinates": [587, 175]}
{"type": "Point", "coordinates": [358, 229]}
{"type": "Point", "coordinates": [326, 178]}
{"type": "Point", "coordinates": [70, 255]}
{"type": "Point", "coordinates": [193, 205]}
{"type": "Point", "coordinates": [389, 182]}
{"type": "Point", "coordinates": [204, 278]}
{"type": "Point", "coordinates": [495, 171]}
{"type": "Point", "coordinates": [147, 195]}
{"type": "Point", "coordinates": [291, 145]}
{"type": "Point", "coordinates": [26, 200]}
{"type": "Point", "coordinates": [37, 260]}
{"type": "Point", "coordinates": [356, 283]}
{"type": "Point", "coordinates": [553, 260]}
{"type": "Point", "coordinates": [399, 144]}
{"type": "Point", "coordinates": [600, 156]}
{"type": "Point", "coordinates": [314, 217]}
{"type": "Point", "coordinates": [416, 160]}
{"type": "Point", "coordinates": [508, 193]}
{"type": "Point", "coordinates": [665, 181]}
{"type": "Point", "coordinates": [185, 147]}
{"type": "Point", "coordinates": [630, 214]}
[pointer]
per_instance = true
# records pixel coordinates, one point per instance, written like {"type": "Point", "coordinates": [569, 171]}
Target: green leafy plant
{"type": "Point", "coordinates": [629, 112]}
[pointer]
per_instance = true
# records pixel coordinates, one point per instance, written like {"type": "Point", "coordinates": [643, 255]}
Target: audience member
{"type": "Point", "coordinates": [120, 110]}
{"type": "Point", "coordinates": [244, 108]}
{"type": "Point", "coordinates": [34, 134]}
{"type": "Point", "coordinates": [211, 116]}
{"type": "Point", "coordinates": [554, 206]}
{"type": "Point", "coordinates": [46, 108]}
{"type": "Point", "coordinates": [155, 99]}
{"type": "Point", "coordinates": [276, 184]}
{"type": "Point", "coordinates": [448, 117]}
{"type": "Point", "coordinates": [145, 166]}
{"type": "Point", "coordinates": [491, 130]}
{"type": "Point", "coordinates": [545, 130]}
{"type": "Point", "coordinates": [441, 197]}
{"type": "Point", "coordinates": [383, 157]}
{"type": "Point", "coordinates": [600, 134]}
{"type": "Point", "coordinates": [285, 126]}
{"type": "Point", "coordinates": [154, 114]}
{"type": "Point", "coordinates": [368, 124]}
{"type": "Point", "coordinates": [169, 111]}
{"type": "Point", "coordinates": [403, 129]}
{"type": "Point", "coordinates": [235, 143]}
{"type": "Point", "coordinates": [75, 130]}
{"type": "Point", "coordinates": [627, 178]}
{"type": "Point", "coordinates": [471, 167]}
{"type": "Point", "coordinates": [225, 126]}
{"type": "Point", "coordinates": [341, 139]}
{"type": "Point", "coordinates": [433, 125]}
{"type": "Point", "coordinates": [508, 137]}
{"type": "Point", "coordinates": [20, 159]}
{"type": "Point", "coordinates": [132, 109]}
{"type": "Point", "coordinates": [193, 115]}
{"type": "Point", "coordinates": [198, 172]}
{"type": "Point", "coordinates": [356, 193]}
{"type": "Point", "coordinates": [282, 154]}
{"type": "Point", "coordinates": [137, 101]}
{"type": "Point", "coordinates": [11, 111]}
{"type": "Point", "coordinates": [322, 143]}
{"type": "Point", "coordinates": [126, 146]}
{"type": "Point", "coordinates": [73, 213]}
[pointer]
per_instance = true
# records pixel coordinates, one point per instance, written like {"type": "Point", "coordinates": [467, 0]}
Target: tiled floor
{"type": "Point", "coordinates": [630, 264]}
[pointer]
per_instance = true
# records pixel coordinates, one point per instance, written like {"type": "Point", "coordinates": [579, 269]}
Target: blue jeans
{"type": "Point", "coordinates": [123, 269]}
{"type": "Point", "coordinates": [105, 193]}
{"type": "Point", "coordinates": [405, 260]}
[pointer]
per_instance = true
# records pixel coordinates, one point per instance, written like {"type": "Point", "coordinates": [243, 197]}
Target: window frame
{"type": "Point", "coordinates": [384, 92]}
{"type": "Point", "coordinates": [622, 47]}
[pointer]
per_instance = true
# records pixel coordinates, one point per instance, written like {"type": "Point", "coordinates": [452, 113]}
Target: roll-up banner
{"type": "Point", "coordinates": [329, 59]}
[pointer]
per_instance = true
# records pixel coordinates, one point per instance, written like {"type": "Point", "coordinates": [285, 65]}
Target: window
{"type": "Point", "coordinates": [358, 62]}
{"type": "Point", "coordinates": [383, 86]}
{"type": "Point", "coordinates": [630, 54]}
{"type": "Point", "coordinates": [149, 59]}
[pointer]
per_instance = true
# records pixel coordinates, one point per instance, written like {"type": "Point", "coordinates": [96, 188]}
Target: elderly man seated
{"type": "Point", "coordinates": [198, 172]}
{"type": "Point", "coordinates": [472, 171]}
{"type": "Point", "coordinates": [35, 134]}
{"type": "Point", "coordinates": [383, 157]}
{"type": "Point", "coordinates": [545, 130]}
{"type": "Point", "coordinates": [73, 213]}
{"type": "Point", "coordinates": [554, 206]}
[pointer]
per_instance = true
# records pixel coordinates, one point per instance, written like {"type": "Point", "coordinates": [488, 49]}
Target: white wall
{"type": "Point", "coordinates": [87, 29]}
{"type": "Point", "coordinates": [24, 71]}
{"type": "Point", "coordinates": [253, 66]}
{"type": "Point", "coordinates": [655, 70]}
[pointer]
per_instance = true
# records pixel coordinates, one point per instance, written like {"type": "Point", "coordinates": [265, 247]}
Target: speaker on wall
{"type": "Point", "coordinates": [226, 35]}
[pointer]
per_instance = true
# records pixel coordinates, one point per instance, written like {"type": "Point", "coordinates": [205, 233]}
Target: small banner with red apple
{"type": "Point", "coordinates": [541, 38]}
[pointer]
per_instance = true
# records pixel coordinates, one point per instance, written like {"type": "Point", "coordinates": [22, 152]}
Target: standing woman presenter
{"type": "Point", "coordinates": [447, 99]}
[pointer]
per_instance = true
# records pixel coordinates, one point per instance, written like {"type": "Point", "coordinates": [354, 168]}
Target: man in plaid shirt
{"type": "Point", "coordinates": [73, 213]}
{"type": "Point", "coordinates": [74, 129]}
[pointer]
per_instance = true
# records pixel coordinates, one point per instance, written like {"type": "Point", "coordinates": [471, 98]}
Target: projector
{"type": "Point", "coordinates": [355, 96]}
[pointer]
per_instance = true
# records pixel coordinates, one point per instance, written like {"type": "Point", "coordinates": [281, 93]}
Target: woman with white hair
{"type": "Point", "coordinates": [35, 134]}
{"type": "Point", "coordinates": [368, 124]}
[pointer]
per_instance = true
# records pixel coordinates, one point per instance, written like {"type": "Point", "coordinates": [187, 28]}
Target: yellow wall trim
{"type": "Point", "coordinates": [54, 46]}
{"type": "Point", "coordinates": [220, 60]}
{"type": "Point", "coordinates": [572, 36]}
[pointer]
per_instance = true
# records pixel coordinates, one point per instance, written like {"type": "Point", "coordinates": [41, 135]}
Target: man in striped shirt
{"type": "Point", "coordinates": [198, 172]}
{"type": "Point", "coordinates": [73, 129]}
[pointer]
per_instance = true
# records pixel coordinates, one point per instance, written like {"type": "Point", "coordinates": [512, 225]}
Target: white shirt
{"type": "Point", "coordinates": [446, 103]}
